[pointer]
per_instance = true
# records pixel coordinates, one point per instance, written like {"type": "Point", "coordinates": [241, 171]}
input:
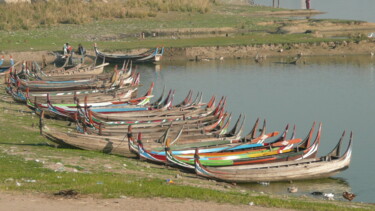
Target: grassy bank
{"type": "Point", "coordinates": [175, 26]}
{"type": "Point", "coordinates": [29, 162]}
{"type": "Point", "coordinates": [23, 42]}
{"type": "Point", "coordinates": [42, 14]}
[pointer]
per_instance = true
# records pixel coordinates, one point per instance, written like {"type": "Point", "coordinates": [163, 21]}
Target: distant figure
{"type": "Point", "coordinates": [65, 49]}
{"type": "Point", "coordinates": [11, 61]}
{"type": "Point", "coordinates": [69, 48]}
{"type": "Point", "coordinates": [274, 3]}
{"type": "Point", "coordinates": [308, 4]}
{"type": "Point", "coordinates": [44, 61]}
{"type": "Point", "coordinates": [81, 50]}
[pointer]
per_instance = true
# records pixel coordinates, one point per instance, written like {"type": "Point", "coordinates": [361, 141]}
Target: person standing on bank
{"type": "Point", "coordinates": [308, 4]}
{"type": "Point", "coordinates": [81, 50]}
{"type": "Point", "coordinates": [69, 48]}
{"type": "Point", "coordinates": [65, 49]}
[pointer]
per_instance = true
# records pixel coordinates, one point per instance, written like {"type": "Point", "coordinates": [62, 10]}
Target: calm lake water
{"type": "Point", "coordinates": [336, 9]}
{"type": "Point", "coordinates": [337, 91]}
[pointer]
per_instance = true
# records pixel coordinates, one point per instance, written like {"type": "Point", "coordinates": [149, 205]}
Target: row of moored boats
{"type": "Point", "coordinates": [110, 116]}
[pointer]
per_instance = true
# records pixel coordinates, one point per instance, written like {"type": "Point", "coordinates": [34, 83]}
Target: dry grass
{"type": "Point", "coordinates": [41, 13]}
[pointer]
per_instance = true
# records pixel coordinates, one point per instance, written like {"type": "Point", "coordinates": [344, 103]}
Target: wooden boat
{"type": "Point", "coordinates": [84, 72]}
{"type": "Point", "coordinates": [119, 95]}
{"type": "Point", "coordinates": [301, 169]}
{"type": "Point", "coordinates": [134, 106]}
{"type": "Point", "coordinates": [32, 70]}
{"type": "Point", "coordinates": [254, 143]}
{"type": "Point", "coordinates": [54, 111]}
{"type": "Point", "coordinates": [164, 110]}
{"type": "Point", "coordinates": [112, 129]}
{"type": "Point", "coordinates": [199, 122]}
{"type": "Point", "coordinates": [116, 144]}
{"type": "Point", "coordinates": [77, 70]}
{"type": "Point", "coordinates": [214, 128]}
{"type": "Point", "coordinates": [160, 156]}
{"type": "Point", "coordinates": [237, 130]}
{"type": "Point", "coordinates": [5, 69]}
{"type": "Point", "coordinates": [111, 145]}
{"type": "Point", "coordinates": [102, 94]}
{"type": "Point", "coordinates": [275, 152]}
{"type": "Point", "coordinates": [119, 79]}
{"type": "Point", "coordinates": [70, 109]}
{"type": "Point", "coordinates": [83, 84]}
{"type": "Point", "coordinates": [244, 143]}
{"type": "Point", "coordinates": [152, 55]}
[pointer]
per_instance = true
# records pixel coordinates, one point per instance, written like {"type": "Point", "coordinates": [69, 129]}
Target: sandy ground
{"type": "Point", "coordinates": [30, 202]}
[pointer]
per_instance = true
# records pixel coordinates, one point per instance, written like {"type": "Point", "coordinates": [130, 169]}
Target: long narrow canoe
{"type": "Point", "coordinates": [152, 55]}
{"type": "Point", "coordinates": [301, 169]}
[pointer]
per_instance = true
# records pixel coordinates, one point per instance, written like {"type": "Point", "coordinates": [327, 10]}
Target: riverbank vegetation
{"type": "Point", "coordinates": [49, 13]}
{"type": "Point", "coordinates": [47, 25]}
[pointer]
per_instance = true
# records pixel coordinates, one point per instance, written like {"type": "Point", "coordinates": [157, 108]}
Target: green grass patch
{"type": "Point", "coordinates": [15, 44]}
{"type": "Point", "coordinates": [246, 39]}
{"type": "Point", "coordinates": [177, 26]}
{"type": "Point", "coordinates": [125, 32]}
{"type": "Point", "coordinates": [18, 174]}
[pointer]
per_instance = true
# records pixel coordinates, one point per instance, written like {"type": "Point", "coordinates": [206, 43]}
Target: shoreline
{"type": "Point", "coordinates": [288, 50]}
{"type": "Point", "coordinates": [343, 48]}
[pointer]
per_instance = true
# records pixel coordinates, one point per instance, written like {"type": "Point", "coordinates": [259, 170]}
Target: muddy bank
{"type": "Point", "coordinates": [365, 47]}
{"type": "Point", "coordinates": [326, 28]}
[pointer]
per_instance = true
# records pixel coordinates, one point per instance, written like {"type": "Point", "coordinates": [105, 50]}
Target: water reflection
{"type": "Point", "coordinates": [338, 91]}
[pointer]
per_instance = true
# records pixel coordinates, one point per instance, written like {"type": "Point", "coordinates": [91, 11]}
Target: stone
{"type": "Point", "coordinates": [329, 196]}
{"type": "Point", "coordinates": [8, 180]}
{"type": "Point", "coordinates": [292, 189]}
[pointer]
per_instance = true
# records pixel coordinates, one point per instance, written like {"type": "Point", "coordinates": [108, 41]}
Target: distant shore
{"type": "Point", "coordinates": [364, 47]}
{"type": "Point", "coordinates": [343, 48]}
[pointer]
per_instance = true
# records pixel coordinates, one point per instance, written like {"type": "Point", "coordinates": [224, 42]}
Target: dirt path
{"type": "Point", "coordinates": [29, 202]}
